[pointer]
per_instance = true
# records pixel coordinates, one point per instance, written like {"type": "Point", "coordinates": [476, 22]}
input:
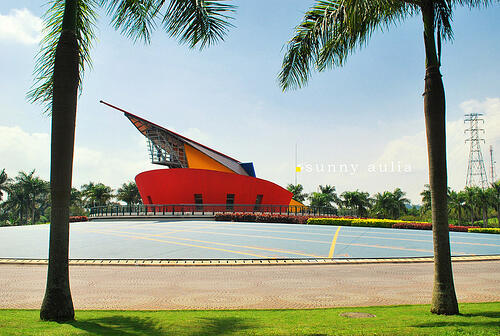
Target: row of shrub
{"type": "Point", "coordinates": [344, 221]}
{"type": "Point", "coordinates": [261, 218]}
{"type": "Point", "coordinates": [341, 221]}
{"type": "Point", "coordinates": [485, 230]}
{"type": "Point", "coordinates": [73, 219]}
{"type": "Point", "coordinates": [383, 223]}
{"type": "Point", "coordinates": [428, 226]}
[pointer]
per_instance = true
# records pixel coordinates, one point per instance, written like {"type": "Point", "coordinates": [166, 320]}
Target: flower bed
{"type": "Point", "coordinates": [484, 230]}
{"type": "Point", "coordinates": [261, 218]}
{"type": "Point", "coordinates": [73, 219]}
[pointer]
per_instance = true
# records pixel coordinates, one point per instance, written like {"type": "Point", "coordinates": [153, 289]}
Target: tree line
{"type": "Point", "coordinates": [473, 205]}
{"type": "Point", "coordinates": [25, 198]}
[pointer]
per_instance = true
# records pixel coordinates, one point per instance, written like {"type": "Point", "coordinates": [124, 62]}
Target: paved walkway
{"type": "Point", "coordinates": [253, 287]}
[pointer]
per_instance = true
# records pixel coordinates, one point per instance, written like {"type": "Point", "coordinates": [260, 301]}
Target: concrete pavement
{"type": "Point", "coordinates": [244, 287]}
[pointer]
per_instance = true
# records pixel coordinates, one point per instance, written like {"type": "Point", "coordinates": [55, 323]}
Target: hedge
{"type": "Point", "coordinates": [350, 221]}
{"type": "Point", "coordinates": [427, 226]}
{"type": "Point", "coordinates": [382, 223]}
{"type": "Point", "coordinates": [485, 230]}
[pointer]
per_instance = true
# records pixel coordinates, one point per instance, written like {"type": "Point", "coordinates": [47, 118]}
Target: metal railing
{"type": "Point", "coordinates": [208, 210]}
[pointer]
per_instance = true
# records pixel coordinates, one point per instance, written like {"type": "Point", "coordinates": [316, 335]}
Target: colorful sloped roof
{"type": "Point", "coordinates": [172, 143]}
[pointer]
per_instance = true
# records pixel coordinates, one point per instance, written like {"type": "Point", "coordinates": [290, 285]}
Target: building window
{"type": "Point", "coordinates": [198, 200]}
{"type": "Point", "coordinates": [258, 202]}
{"type": "Point", "coordinates": [230, 202]}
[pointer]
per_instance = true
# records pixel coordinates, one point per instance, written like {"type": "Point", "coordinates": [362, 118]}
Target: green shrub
{"type": "Point", "coordinates": [330, 221]}
{"type": "Point", "coordinates": [374, 222]}
{"type": "Point", "coordinates": [485, 230]}
{"type": "Point", "coordinates": [409, 218]}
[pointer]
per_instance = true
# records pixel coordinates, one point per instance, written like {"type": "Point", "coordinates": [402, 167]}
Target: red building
{"type": "Point", "coordinates": [199, 175]}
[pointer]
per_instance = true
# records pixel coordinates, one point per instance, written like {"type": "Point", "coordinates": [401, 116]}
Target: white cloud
{"type": "Point", "coordinates": [23, 151]}
{"type": "Point", "coordinates": [20, 25]}
{"type": "Point", "coordinates": [413, 149]}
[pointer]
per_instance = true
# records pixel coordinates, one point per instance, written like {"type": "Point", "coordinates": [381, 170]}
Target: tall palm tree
{"type": "Point", "coordinates": [59, 70]}
{"type": "Point", "coordinates": [129, 193]}
{"type": "Point", "coordinates": [330, 31]}
{"type": "Point", "coordinates": [298, 192]}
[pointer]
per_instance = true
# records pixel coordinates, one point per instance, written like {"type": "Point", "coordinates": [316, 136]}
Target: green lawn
{"type": "Point", "coordinates": [476, 319]}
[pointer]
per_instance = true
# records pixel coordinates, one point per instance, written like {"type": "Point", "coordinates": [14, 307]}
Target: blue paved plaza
{"type": "Point", "coordinates": [204, 239]}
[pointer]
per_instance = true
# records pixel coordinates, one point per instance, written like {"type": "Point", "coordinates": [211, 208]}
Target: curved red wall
{"type": "Point", "coordinates": [178, 186]}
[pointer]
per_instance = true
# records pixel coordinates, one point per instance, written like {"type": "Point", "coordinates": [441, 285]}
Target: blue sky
{"type": "Point", "coordinates": [366, 115]}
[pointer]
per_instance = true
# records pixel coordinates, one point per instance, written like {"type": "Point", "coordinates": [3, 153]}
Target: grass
{"type": "Point", "coordinates": [476, 319]}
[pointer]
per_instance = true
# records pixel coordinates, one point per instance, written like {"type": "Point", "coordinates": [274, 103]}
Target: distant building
{"type": "Point", "coordinates": [198, 175]}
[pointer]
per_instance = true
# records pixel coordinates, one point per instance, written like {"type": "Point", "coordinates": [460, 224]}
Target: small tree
{"type": "Point", "coordinates": [129, 193]}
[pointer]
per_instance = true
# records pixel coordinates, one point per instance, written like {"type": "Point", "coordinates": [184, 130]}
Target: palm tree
{"type": "Point", "coordinates": [4, 183]}
{"type": "Point", "coordinates": [383, 205]}
{"type": "Point", "coordinates": [426, 198]}
{"type": "Point", "coordinates": [330, 31]}
{"type": "Point", "coordinates": [96, 194]}
{"type": "Point", "coordinates": [17, 205]}
{"type": "Point", "coordinates": [456, 202]}
{"type": "Point", "coordinates": [59, 70]}
{"type": "Point", "coordinates": [35, 190]}
{"type": "Point", "coordinates": [297, 191]}
{"type": "Point", "coordinates": [324, 198]}
{"type": "Point", "coordinates": [483, 199]}
{"type": "Point", "coordinates": [129, 193]}
{"type": "Point", "coordinates": [400, 203]}
{"type": "Point", "coordinates": [471, 200]}
{"type": "Point", "coordinates": [390, 204]}
{"type": "Point", "coordinates": [357, 200]}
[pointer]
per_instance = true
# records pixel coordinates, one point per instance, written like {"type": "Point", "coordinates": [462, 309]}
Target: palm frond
{"type": "Point", "coordinates": [443, 17]}
{"type": "Point", "coordinates": [331, 30]}
{"type": "Point", "coordinates": [135, 18]}
{"type": "Point", "coordinates": [198, 22]}
{"type": "Point", "coordinates": [42, 89]}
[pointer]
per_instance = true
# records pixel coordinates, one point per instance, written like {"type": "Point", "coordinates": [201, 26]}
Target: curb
{"type": "Point", "coordinates": [242, 262]}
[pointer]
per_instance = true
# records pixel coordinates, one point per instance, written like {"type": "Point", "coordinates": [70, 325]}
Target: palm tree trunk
{"type": "Point", "coordinates": [57, 304]}
{"type": "Point", "coordinates": [444, 300]}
